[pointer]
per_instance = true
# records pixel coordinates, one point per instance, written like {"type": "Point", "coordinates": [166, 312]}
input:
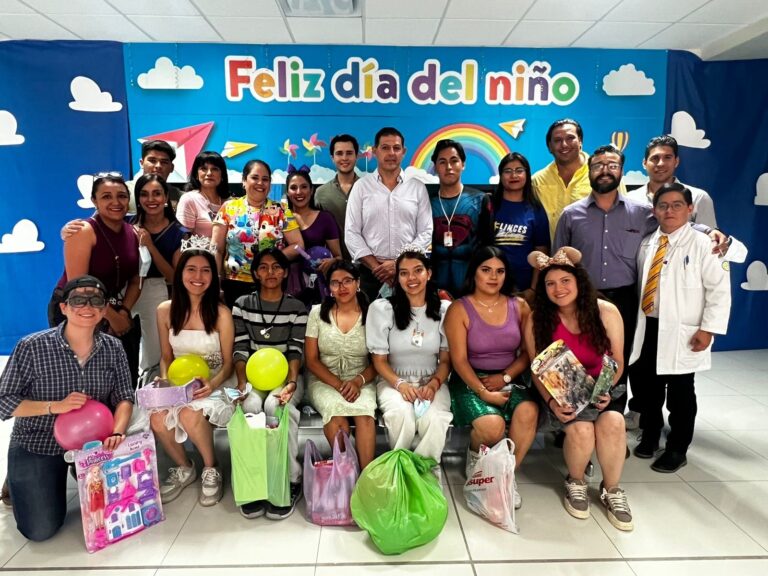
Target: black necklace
{"type": "Point", "coordinates": [265, 331]}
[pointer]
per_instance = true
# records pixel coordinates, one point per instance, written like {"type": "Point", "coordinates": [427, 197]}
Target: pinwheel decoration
{"type": "Point", "coordinates": [313, 145]}
{"type": "Point", "coordinates": [289, 150]}
{"type": "Point", "coordinates": [366, 152]}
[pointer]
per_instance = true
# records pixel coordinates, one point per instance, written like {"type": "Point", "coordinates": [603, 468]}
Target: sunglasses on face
{"type": "Point", "coordinates": [94, 301]}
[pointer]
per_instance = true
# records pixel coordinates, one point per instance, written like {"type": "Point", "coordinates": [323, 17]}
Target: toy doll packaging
{"type": "Point", "coordinates": [119, 491]}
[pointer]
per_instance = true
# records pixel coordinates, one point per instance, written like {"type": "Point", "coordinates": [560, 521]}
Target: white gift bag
{"type": "Point", "coordinates": [490, 490]}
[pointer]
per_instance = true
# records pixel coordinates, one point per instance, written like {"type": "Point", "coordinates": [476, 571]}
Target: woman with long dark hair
{"type": "Point", "coordinates": [567, 308]}
{"type": "Point", "coordinates": [268, 317]}
{"type": "Point", "coordinates": [158, 230]}
{"type": "Point", "coordinates": [490, 362]}
{"type": "Point", "coordinates": [410, 352]}
{"type": "Point", "coordinates": [520, 222]}
{"type": "Point", "coordinates": [193, 321]}
{"type": "Point", "coordinates": [341, 376]}
{"type": "Point", "coordinates": [207, 190]}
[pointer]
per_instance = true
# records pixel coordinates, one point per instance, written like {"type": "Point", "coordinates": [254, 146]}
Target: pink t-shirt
{"type": "Point", "coordinates": [196, 213]}
{"type": "Point", "coordinates": [581, 348]}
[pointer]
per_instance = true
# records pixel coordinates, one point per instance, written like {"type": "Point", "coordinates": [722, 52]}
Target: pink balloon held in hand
{"type": "Point", "coordinates": [94, 421]}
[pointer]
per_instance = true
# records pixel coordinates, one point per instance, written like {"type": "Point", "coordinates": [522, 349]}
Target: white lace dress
{"type": "Point", "coordinates": [216, 407]}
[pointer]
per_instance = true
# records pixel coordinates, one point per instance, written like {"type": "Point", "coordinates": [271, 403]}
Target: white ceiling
{"type": "Point", "coordinates": [714, 29]}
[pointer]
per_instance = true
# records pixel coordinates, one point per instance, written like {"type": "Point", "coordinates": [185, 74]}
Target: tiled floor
{"type": "Point", "coordinates": [710, 518]}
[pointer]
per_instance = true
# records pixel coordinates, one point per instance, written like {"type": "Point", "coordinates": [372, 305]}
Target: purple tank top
{"type": "Point", "coordinates": [114, 272]}
{"type": "Point", "coordinates": [490, 347]}
{"type": "Point", "coordinates": [581, 348]}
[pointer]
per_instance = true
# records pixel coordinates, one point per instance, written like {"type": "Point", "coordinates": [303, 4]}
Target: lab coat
{"type": "Point", "coordinates": [694, 293]}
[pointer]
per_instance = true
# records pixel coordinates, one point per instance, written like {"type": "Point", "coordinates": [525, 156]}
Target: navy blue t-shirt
{"type": "Point", "coordinates": [518, 229]}
{"type": "Point", "coordinates": [167, 242]}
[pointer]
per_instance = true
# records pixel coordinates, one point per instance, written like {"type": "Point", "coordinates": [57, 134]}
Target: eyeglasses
{"type": "Point", "coordinates": [94, 301]}
{"type": "Point", "coordinates": [346, 282]}
{"type": "Point", "coordinates": [674, 206]}
{"type": "Point", "coordinates": [516, 171]}
{"type": "Point", "coordinates": [268, 268]}
{"type": "Point", "coordinates": [598, 166]}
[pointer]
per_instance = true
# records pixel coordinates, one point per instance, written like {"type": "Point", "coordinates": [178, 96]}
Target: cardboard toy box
{"type": "Point", "coordinates": [163, 394]}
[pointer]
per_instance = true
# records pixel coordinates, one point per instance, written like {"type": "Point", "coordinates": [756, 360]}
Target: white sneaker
{"type": "Point", "coordinates": [212, 487]}
{"type": "Point", "coordinates": [518, 498]}
{"type": "Point", "coordinates": [178, 479]}
{"type": "Point", "coordinates": [472, 458]}
{"type": "Point", "coordinates": [632, 420]}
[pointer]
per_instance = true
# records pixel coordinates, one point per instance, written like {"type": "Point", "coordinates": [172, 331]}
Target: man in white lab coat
{"type": "Point", "coordinates": [685, 299]}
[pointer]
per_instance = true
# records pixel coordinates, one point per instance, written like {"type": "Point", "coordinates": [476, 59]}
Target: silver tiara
{"type": "Point", "coordinates": [410, 248]}
{"type": "Point", "coordinates": [198, 243]}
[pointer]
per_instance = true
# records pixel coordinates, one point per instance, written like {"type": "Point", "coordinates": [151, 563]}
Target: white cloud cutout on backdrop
{"type": "Point", "coordinates": [167, 76]}
{"type": "Point", "coordinates": [88, 97]}
{"type": "Point", "coordinates": [23, 238]}
{"type": "Point", "coordinates": [420, 174]}
{"type": "Point", "coordinates": [761, 190]}
{"type": "Point", "coordinates": [84, 185]}
{"type": "Point", "coordinates": [8, 127]}
{"type": "Point", "coordinates": [628, 81]}
{"type": "Point", "coordinates": [685, 132]}
{"type": "Point", "coordinates": [635, 177]}
{"type": "Point", "coordinates": [757, 277]}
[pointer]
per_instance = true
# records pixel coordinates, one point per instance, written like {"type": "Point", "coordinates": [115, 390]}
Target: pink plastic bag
{"type": "Point", "coordinates": [490, 491]}
{"type": "Point", "coordinates": [328, 484]}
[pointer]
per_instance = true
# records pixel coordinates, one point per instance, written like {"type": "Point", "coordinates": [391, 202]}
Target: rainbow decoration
{"type": "Point", "coordinates": [476, 139]}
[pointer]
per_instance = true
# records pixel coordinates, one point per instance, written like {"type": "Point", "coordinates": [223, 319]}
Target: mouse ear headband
{"type": "Point", "coordinates": [565, 256]}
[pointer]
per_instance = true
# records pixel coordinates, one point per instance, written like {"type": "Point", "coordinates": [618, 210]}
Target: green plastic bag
{"type": "Point", "coordinates": [398, 501]}
{"type": "Point", "coordinates": [260, 460]}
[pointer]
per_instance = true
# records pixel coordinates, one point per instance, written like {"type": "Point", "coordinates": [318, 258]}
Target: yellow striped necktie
{"type": "Point", "coordinates": [654, 274]}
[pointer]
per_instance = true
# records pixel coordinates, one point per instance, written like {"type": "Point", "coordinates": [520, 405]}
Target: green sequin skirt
{"type": "Point", "coordinates": [467, 406]}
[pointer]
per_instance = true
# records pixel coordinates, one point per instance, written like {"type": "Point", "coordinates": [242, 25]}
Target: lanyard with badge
{"type": "Point", "coordinates": [448, 235]}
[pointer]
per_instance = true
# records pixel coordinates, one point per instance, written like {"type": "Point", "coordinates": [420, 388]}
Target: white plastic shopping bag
{"type": "Point", "coordinates": [490, 490]}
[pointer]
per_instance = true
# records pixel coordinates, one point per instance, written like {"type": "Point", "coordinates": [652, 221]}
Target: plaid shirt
{"type": "Point", "coordinates": [44, 367]}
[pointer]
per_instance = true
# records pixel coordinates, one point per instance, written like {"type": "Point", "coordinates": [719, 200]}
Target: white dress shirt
{"type": "Point", "coordinates": [380, 222]}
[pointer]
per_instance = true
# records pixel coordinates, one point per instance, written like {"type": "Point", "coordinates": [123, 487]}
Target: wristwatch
{"type": "Point", "coordinates": [507, 378]}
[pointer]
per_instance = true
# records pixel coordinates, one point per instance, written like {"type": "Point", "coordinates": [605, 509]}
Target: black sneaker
{"type": "Point", "coordinates": [253, 510]}
{"type": "Point", "coordinates": [646, 448]}
{"type": "Point", "coordinates": [282, 512]}
{"type": "Point", "coordinates": [669, 462]}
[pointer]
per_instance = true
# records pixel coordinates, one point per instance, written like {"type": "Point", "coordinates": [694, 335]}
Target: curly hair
{"type": "Point", "coordinates": [545, 312]}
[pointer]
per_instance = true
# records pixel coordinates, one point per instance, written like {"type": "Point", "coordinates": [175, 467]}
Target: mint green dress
{"type": "Point", "coordinates": [346, 355]}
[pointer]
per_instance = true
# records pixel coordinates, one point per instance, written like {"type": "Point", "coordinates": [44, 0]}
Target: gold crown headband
{"type": "Point", "coordinates": [198, 243]}
{"type": "Point", "coordinates": [565, 256]}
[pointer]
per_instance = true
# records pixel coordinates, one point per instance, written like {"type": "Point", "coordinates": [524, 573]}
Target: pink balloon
{"type": "Point", "coordinates": [94, 421]}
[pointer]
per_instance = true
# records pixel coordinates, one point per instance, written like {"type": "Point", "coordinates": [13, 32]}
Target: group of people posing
{"type": "Point", "coordinates": [429, 310]}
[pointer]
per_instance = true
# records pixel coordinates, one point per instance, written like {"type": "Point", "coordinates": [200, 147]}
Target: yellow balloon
{"type": "Point", "coordinates": [266, 369]}
{"type": "Point", "coordinates": [186, 368]}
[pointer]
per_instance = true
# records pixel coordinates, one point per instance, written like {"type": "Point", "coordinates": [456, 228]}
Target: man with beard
{"type": "Point", "coordinates": [566, 179]}
{"type": "Point", "coordinates": [607, 227]}
{"type": "Point", "coordinates": [333, 195]}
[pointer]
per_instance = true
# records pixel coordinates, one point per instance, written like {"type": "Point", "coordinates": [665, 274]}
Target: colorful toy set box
{"type": "Point", "coordinates": [119, 491]}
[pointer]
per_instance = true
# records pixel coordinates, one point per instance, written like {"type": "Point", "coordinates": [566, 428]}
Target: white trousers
{"type": "Point", "coordinates": [258, 400]}
{"type": "Point", "coordinates": [402, 424]}
{"type": "Point", "coordinates": [153, 292]}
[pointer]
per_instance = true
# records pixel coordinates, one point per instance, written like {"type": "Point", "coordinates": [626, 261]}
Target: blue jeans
{"type": "Point", "coordinates": [38, 486]}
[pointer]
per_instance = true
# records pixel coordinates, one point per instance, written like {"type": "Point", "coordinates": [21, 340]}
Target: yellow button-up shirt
{"type": "Point", "coordinates": [555, 195]}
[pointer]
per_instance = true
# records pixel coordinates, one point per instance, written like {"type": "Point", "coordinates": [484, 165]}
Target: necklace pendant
{"type": "Point", "coordinates": [265, 332]}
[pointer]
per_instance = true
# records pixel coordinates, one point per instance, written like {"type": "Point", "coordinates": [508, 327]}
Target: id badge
{"type": "Point", "coordinates": [417, 338]}
{"type": "Point", "coordinates": [448, 239]}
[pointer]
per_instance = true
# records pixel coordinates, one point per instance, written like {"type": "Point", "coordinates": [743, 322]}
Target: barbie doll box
{"type": "Point", "coordinates": [162, 394]}
{"type": "Point", "coordinates": [119, 490]}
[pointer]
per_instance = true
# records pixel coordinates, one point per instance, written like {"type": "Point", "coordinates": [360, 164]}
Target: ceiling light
{"type": "Point", "coordinates": [321, 8]}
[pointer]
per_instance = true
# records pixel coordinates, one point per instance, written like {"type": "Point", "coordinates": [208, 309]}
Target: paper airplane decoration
{"type": "Point", "coordinates": [513, 127]}
{"type": "Point", "coordinates": [188, 143]}
{"type": "Point", "coordinates": [232, 149]}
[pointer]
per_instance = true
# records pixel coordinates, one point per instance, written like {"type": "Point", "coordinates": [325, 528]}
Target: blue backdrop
{"type": "Point", "coordinates": [69, 109]}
